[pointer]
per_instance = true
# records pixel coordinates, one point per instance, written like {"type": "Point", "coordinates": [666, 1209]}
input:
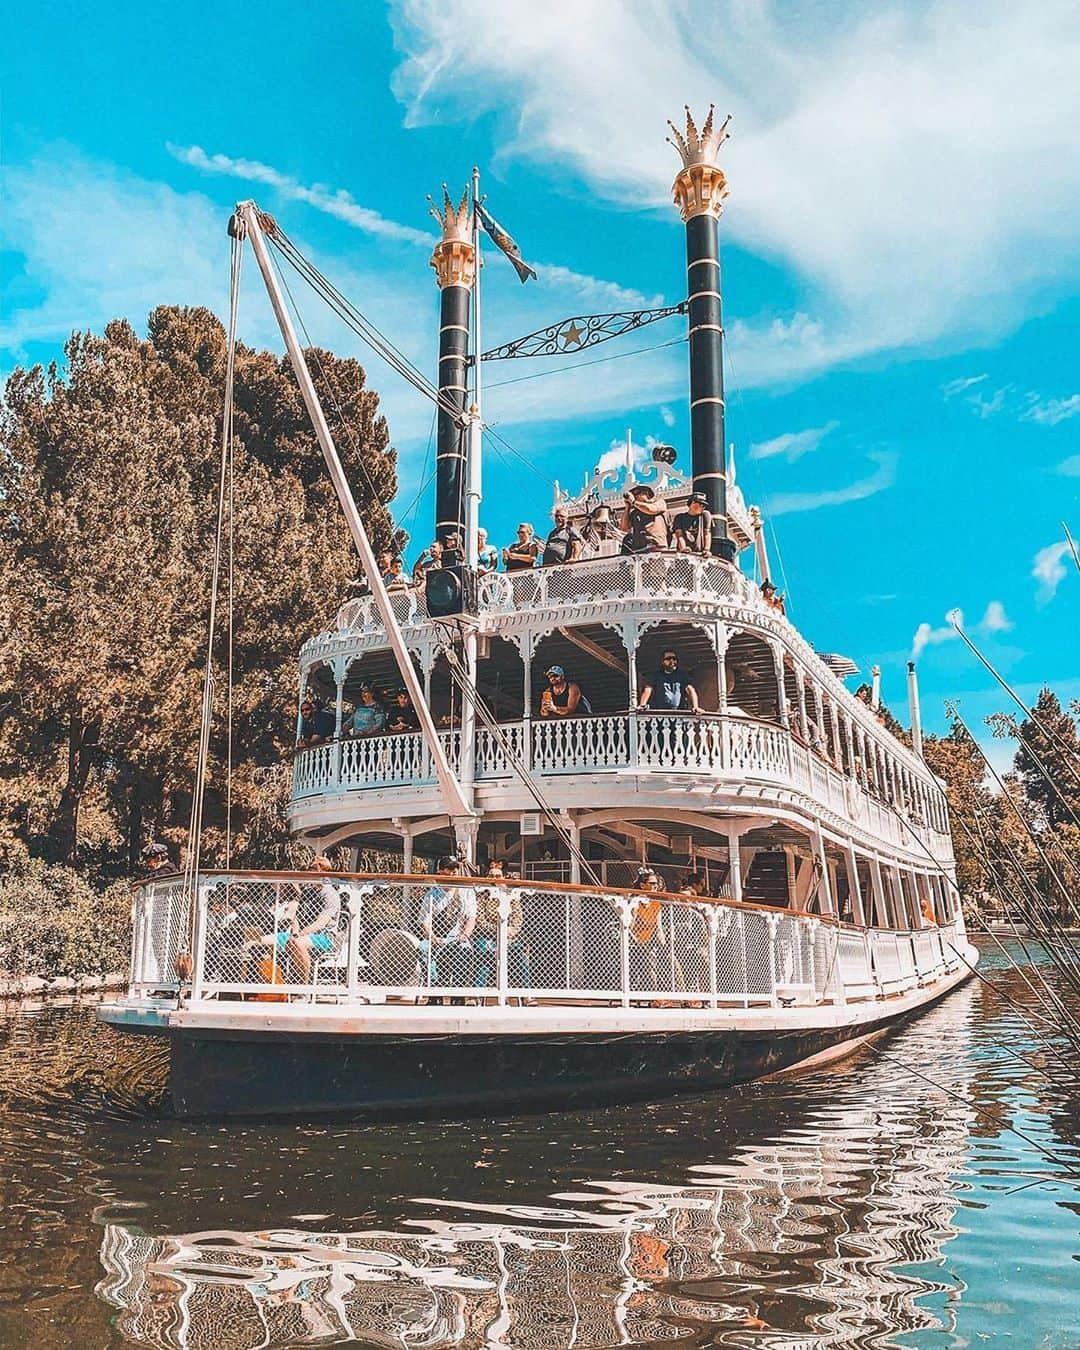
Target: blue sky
{"type": "Point", "coordinates": [901, 257]}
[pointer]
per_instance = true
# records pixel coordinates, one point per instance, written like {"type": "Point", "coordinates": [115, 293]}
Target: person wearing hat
{"type": "Point", "coordinates": [600, 538]}
{"type": "Point", "coordinates": [769, 595]}
{"type": "Point", "coordinates": [155, 859]}
{"type": "Point", "coordinates": [370, 717]}
{"type": "Point", "coordinates": [644, 521]}
{"type": "Point", "coordinates": [692, 528]}
{"type": "Point", "coordinates": [562, 698]}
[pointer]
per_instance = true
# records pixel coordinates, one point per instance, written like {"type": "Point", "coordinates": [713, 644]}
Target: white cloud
{"type": "Point", "coordinates": [926, 635]}
{"type": "Point", "coordinates": [337, 202]}
{"type": "Point", "coordinates": [667, 417]}
{"type": "Point", "coordinates": [1048, 569]}
{"type": "Point", "coordinates": [1050, 411]}
{"type": "Point", "coordinates": [792, 444]}
{"type": "Point", "coordinates": [1070, 467]}
{"type": "Point", "coordinates": [783, 503]}
{"type": "Point", "coordinates": [97, 243]}
{"type": "Point", "coordinates": [916, 168]}
{"type": "Point", "coordinates": [962, 385]}
{"type": "Point", "coordinates": [995, 620]}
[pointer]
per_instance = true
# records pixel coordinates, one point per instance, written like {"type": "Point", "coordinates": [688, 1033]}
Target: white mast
{"type": "Point", "coordinates": [913, 708]}
{"type": "Point", "coordinates": [473, 466]}
{"type": "Point", "coordinates": [457, 805]}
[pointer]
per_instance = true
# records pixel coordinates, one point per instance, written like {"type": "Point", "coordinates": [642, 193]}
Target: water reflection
{"type": "Point", "coordinates": [852, 1206]}
{"type": "Point", "coordinates": [802, 1235]}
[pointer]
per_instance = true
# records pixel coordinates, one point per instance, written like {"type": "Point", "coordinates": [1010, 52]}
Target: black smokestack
{"type": "Point", "coordinates": [454, 263]}
{"type": "Point", "coordinates": [699, 191]}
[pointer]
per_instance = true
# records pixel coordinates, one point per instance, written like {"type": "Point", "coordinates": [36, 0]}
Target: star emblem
{"type": "Point", "coordinates": [571, 336]}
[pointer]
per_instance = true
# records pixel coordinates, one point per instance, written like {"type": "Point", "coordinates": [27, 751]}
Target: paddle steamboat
{"type": "Point", "coordinates": [600, 894]}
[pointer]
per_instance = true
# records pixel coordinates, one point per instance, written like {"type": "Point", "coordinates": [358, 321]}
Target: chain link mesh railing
{"type": "Point", "coordinates": [274, 936]}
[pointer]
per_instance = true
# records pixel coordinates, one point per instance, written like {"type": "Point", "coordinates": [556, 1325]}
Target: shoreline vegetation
{"type": "Point", "coordinates": [109, 465]}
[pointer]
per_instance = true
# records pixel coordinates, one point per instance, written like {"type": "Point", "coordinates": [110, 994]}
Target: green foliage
{"type": "Point", "coordinates": [108, 483]}
{"type": "Point", "coordinates": [53, 922]}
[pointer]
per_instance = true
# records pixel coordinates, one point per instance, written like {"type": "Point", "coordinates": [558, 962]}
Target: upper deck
{"type": "Point", "coordinates": [775, 718]}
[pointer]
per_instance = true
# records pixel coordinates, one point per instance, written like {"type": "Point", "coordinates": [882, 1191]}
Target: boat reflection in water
{"type": "Point", "coordinates": [831, 1232]}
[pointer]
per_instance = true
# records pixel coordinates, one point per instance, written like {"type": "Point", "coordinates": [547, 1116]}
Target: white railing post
{"type": "Point", "coordinates": [712, 919]}
{"type": "Point", "coordinates": [839, 987]}
{"type": "Point", "coordinates": [198, 938]}
{"type": "Point", "coordinates": [354, 906]}
{"type": "Point", "coordinates": [624, 949]}
{"type": "Point", "coordinates": [502, 947]}
{"type": "Point", "coordinates": [741, 916]}
{"type": "Point", "coordinates": [812, 926]}
{"type": "Point", "coordinates": [773, 923]}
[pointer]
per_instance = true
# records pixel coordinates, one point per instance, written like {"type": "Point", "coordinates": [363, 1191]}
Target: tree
{"type": "Point", "coordinates": [1047, 759]}
{"type": "Point", "coordinates": [108, 479]}
{"type": "Point", "coordinates": [957, 762]}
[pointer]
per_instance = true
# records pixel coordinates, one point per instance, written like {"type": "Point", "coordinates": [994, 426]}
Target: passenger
{"type": "Point", "coordinates": [311, 921]}
{"type": "Point", "coordinates": [600, 539]}
{"type": "Point", "coordinates": [644, 521]}
{"type": "Point", "coordinates": [774, 601]}
{"type": "Point", "coordinates": [562, 698]}
{"type": "Point", "coordinates": [487, 558]}
{"type": "Point", "coordinates": [428, 561]}
{"type": "Point", "coordinates": [524, 551]}
{"type": "Point", "coordinates": [692, 528]}
{"type": "Point", "coordinates": [155, 859]}
{"type": "Point", "coordinates": [690, 936]}
{"type": "Point", "coordinates": [396, 578]}
{"type": "Point", "coordinates": [370, 716]}
{"type": "Point", "coordinates": [316, 723]}
{"type": "Point", "coordinates": [646, 933]}
{"type": "Point", "coordinates": [487, 935]}
{"type": "Point", "coordinates": [383, 561]}
{"type": "Point", "coordinates": [453, 551]}
{"type": "Point", "coordinates": [563, 544]}
{"type": "Point", "coordinates": [402, 716]}
{"type": "Point", "coordinates": [669, 690]}
{"type": "Point", "coordinates": [447, 919]}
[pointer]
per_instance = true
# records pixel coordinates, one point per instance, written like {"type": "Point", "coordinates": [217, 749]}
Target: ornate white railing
{"type": "Point", "coordinates": [412, 937]}
{"type": "Point", "coordinates": [737, 747]}
{"type": "Point", "coordinates": [593, 580]}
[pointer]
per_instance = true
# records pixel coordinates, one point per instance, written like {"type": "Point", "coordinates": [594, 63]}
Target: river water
{"type": "Point", "coordinates": [860, 1205]}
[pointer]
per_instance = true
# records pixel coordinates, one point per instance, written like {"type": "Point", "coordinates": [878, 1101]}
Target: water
{"type": "Point", "coordinates": [854, 1206]}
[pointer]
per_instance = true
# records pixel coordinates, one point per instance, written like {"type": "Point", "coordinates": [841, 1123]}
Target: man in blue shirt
{"type": "Point", "coordinates": [316, 723]}
{"type": "Point", "coordinates": [669, 690]}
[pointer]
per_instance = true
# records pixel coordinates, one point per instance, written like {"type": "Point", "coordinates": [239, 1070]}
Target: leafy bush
{"type": "Point", "coordinates": [53, 922]}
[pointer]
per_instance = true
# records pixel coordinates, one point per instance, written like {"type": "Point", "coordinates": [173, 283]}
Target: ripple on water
{"type": "Point", "coordinates": [850, 1206]}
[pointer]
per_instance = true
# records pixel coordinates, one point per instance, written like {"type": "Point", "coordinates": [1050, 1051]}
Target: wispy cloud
{"type": "Point", "coordinates": [1070, 467]}
{"type": "Point", "coordinates": [1050, 411]}
{"type": "Point", "coordinates": [882, 273]}
{"type": "Point", "coordinates": [337, 202]}
{"type": "Point", "coordinates": [332, 202]}
{"type": "Point", "coordinates": [994, 620]}
{"type": "Point", "coordinates": [926, 635]}
{"type": "Point", "coordinates": [1049, 570]}
{"type": "Point", "coordinates": [784, 503]}
{"type": "Point", "coordinates": [667, 416]}
{"type": "Point", "coordinates": [792, 444]}
{"type": "Point", "coordinates": [956, 387]}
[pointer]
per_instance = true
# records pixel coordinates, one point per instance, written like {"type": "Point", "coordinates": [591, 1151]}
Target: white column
{"type": "Point", "coordinates": [881, 904]}
{"type": "Point", "coordinates": [800, 684]}
{"type": "Point", "coordinates": [735, 864]}
{"type": "Point", "coordinates": [406, 848]}
{"type": "Point", "coordinates": [854, 885]}
{"type": "Point", "coordinates": [574, 831]}
{"type": "Point", "coordinates": [781, 692]}
{"type": "Point", "coordinates": [720, 639]}
{"type": "Point", "coordinates": [828, 898]}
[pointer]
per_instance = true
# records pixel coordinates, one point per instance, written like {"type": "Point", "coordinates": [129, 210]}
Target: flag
{"type": "Point", "coordinates": [502, 240]}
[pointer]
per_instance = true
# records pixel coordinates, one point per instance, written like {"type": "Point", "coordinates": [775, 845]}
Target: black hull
{"type": "Point", "coordinates": [232, 1073]}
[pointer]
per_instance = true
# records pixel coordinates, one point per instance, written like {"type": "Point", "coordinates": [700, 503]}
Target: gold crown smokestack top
{"type": "Point", "coordinates": [454, 261]}
{"type": "Point", "coordinates": [699, 191]}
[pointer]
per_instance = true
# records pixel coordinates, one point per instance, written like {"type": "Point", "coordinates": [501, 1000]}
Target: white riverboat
{"type": "Point", "coordinates": [826, 906]}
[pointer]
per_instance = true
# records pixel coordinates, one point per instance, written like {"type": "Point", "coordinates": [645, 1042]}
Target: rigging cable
{"type": "Point", "coordinates": [194, 851]}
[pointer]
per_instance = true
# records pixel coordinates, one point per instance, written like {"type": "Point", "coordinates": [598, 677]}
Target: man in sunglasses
{"type": "Point", "coordinates": [669, 689]}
